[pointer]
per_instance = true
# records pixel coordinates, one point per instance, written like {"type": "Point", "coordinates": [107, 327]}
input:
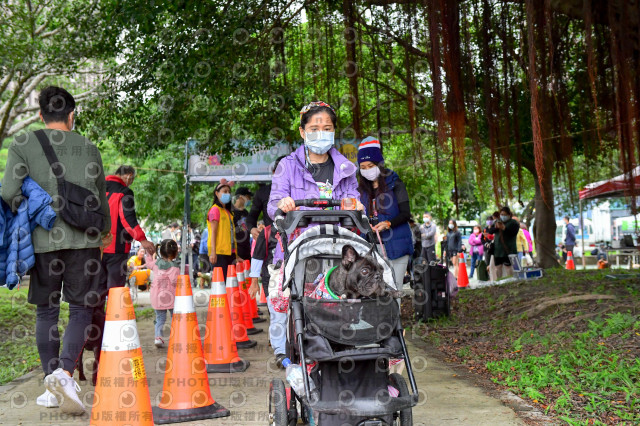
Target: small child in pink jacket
{"type": "Point", "coordinates": [163, 287]}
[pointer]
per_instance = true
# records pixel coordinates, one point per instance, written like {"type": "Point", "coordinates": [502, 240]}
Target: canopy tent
{"type": "Point", "coordinates": [618, 186]}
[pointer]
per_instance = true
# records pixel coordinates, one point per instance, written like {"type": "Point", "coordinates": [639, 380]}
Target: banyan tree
{"type": "Point", "coordinates": [503, 89]}
{"type": "Point", "coordinates": [506, 75]}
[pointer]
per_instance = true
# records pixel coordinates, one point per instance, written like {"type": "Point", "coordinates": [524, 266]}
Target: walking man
{"type": "Point", "coordinates": [569, 239]}
{"type": "Point", "coordinates": [67, 258]}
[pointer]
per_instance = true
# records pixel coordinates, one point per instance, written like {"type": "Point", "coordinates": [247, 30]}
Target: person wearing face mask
{"type": "Point", "coordinates": [505, 231]}
{"type": "Point", "coordinates": [487, 237]}
{"type": "Point", "coordinates": [428, 237]}
{"type": "Point", "coordinates": [239, 209]}
{"type": "Point", "coordinates": [454, 245]}
{"type": "Point", "coordinates": [387, 203]}
{"type": "Point", "coordinates": [221, 240]}
{"type": "Point", "coordinates": [316, 169]}
{"type": "Point", "coordinates": [477, 249]}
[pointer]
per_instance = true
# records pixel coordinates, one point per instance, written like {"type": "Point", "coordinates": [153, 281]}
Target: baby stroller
{"type": "Point", "coordinates": [347, 343]}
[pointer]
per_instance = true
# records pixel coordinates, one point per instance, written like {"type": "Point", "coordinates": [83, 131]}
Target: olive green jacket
{"type": "Point", "coordinates": [83, 166]}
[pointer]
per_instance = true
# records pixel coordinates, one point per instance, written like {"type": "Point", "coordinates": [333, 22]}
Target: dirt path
{"type": "Point", "coordinates": [446, 397]}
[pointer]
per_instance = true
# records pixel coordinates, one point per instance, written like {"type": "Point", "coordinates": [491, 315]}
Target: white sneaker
{"type": "Point", "coordinates": [159, 342]}
{"type": "Point", "coordinates": [65, 389]}
{"type": "Point", "coordinates": [47, 399]}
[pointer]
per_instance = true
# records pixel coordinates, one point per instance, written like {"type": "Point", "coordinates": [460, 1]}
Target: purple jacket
{"type": "Point", "coordinates": [475, 241]}
{"type": "Point", "coordinates": [292, 179]}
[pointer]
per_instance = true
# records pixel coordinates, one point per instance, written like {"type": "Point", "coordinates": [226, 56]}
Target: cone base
{"type": "Point", "coordinates": [232, 367]}
{"type": "Point", "coordinates": [163, 416]}
{"type": "Point", "coordinates": [254, 330]}
{"type": "Point", "coordinates": [258, 319]}
{"type": "Point", "coordinates": [246, 344]}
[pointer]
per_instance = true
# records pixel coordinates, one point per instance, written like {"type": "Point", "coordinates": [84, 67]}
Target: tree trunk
{"type": "Point", "coordinates": [350, 35]}
{"type": "Point", "coordinates": [545, 222]}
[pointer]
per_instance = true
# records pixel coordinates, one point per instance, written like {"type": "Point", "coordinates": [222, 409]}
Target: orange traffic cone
{"type": "Point", "coordinates": [122, 393]}
{"type": "Point", "coordinates": [570, 265]}
{"type": "Point", "coordinates": [236, 311]}
{"type": "Point", "coordinates": [186, 395]}
{"type": "Point", "coordinates": [220, 352]}
{"type": "Point", "coordinates": [252, 297]}
{"type": "Point", "coordinates": [263, 298]}
{"type": "Point", "coordinates": [463, 278]}
{"type": "Point", "coordinates": [244, 300]}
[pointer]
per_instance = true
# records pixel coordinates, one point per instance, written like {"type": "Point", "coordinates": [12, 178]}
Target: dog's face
{"type": "Point", "coordinates": [357, 276]}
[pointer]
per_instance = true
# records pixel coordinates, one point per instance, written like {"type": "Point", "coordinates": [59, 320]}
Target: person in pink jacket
{"type": "Point", "coordinates": [163, 287]}
{"type": "Point", "coordinates": [477, 249]}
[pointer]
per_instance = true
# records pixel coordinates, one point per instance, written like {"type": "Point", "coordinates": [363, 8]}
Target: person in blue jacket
{"type": "Point", "coordinates": [386, 202]}
{"type": "Point", "coordinates": [569, 239]}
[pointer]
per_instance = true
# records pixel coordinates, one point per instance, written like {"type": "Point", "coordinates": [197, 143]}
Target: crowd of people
{"type": "Point", "coordinates": [238, 227]}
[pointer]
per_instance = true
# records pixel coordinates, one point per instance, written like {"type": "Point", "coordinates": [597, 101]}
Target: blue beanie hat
{"type": "Point", "coordinates": [369, 150]}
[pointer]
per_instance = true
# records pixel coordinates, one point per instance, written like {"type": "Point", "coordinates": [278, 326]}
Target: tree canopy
{"type": "Point", "coordinates": [478, 103]}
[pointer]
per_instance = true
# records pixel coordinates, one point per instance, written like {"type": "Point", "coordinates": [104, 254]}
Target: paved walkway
{"type": "Point", "coordinates": [446, 397]}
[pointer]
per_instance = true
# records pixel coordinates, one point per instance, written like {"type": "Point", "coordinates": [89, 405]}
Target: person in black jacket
{"type": "Point", "coordinates": [259, 205]}
{"type": "Point", "coordinates": [454, 245]}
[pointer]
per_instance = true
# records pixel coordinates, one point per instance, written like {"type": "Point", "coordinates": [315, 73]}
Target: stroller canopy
{"type": "Point", "coordinates": [327, 241]}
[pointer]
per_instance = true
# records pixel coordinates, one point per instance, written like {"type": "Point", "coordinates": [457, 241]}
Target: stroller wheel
{"type": "Point", "coordinates": [406, 416]}
{"type": "Point", "coordinates": [278, 413]}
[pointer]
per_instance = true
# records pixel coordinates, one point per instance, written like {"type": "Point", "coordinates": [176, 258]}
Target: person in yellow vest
{"type": "Point", "coordinates": [522, 245]}
{"type": "Point", "coordinates": [221, 241]}
{"type": "Point", "coordinates": [138, 270]}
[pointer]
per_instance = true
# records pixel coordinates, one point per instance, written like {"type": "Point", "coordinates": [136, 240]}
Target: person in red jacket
{"type": "Point", "coordinates": [124, 226]}
{"type": "Point", "coordinates": [124, 229]}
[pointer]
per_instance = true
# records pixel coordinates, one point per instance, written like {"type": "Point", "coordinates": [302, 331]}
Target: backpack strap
{"type": "Point", "coordinates": [52, 158]}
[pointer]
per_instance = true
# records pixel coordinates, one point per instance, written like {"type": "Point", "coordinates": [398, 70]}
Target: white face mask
{"type": "Point", "coordinates": [319, 142]}
{"type": "Point", "coordinates": [451, 226]}
{"type": "Point", "coordinates": [370, 174]}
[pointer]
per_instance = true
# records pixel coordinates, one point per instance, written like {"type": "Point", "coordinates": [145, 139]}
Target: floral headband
{"type": "Point", "coordinates": [314, 104]}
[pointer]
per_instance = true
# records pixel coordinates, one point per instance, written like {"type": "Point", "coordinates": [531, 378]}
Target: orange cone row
{"type": "Point", "coordinates": [245, 303]}
{"type": "Point", "coordinates": [220, 350]}
{"type": "Point", "coordinates": [122, 393]}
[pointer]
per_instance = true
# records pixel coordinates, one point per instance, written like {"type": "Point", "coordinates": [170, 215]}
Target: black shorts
{"type": "Point", "coordinates": [115, 265]}
{"type": "Point", "coordinates": [77, 274]}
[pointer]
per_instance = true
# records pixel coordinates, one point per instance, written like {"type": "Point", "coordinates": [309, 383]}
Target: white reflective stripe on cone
{"type": "Point", "coordinates": [218, 289]}
{"type": "Point", "coordinates": [183, 305]}
{"type": "Point", "coordinates": [232, 282]}
{"type": "Point", "coordinates": [120, 336]}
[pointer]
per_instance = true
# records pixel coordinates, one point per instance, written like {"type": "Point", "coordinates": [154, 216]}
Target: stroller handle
{"type": "Point", "coordinates": [285, 224]}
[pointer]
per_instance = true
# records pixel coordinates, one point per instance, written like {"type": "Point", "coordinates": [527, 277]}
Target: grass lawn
{"type": "Point", "coordinates": [568, 343]}
{"type": "Point", "coordinates": [18, 351]}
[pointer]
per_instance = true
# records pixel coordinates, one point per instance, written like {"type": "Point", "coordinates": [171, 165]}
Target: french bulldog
{"type": "Point", "coordinates": [359, 276]}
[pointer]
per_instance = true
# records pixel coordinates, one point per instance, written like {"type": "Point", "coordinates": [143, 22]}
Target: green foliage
{"type": "Point", "coordinates": [582, 367]}
{"type": "Point", "coordinates": [18, 351]}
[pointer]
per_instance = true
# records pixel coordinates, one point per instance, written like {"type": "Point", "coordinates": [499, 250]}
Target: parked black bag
{"type": "Point", "coordinates": [80, 207]}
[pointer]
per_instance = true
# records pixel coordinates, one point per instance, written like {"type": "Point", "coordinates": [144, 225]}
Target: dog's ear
{"type": "Point", "coordinates": [349, 256]}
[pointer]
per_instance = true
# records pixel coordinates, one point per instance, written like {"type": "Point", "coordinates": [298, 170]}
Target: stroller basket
{"type": "Point", "coordinates": [368, 407]}
{"type": "Point", "coordinates": [352, 322]}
